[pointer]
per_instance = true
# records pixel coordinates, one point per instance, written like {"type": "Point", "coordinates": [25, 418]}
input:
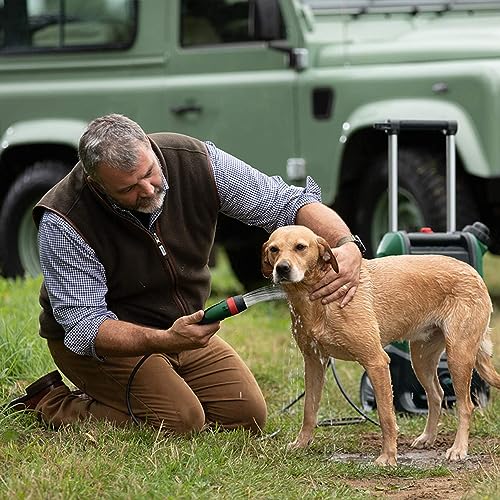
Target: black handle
{"type": "Point", "coordinates": [449, 127]}
{"type": "Point", "coordinates": [182, 109]}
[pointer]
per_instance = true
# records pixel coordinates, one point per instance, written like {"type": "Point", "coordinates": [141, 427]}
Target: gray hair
{"type": "Point", "coordinates": [113, 141]}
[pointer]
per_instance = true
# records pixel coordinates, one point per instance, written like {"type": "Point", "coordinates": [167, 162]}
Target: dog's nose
{"type": "Point", "coordinates": [283, 268]}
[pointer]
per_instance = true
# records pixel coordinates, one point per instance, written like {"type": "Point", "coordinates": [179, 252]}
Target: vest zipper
{"type": "Point", "coordinates": [159, 244]}
{"type": "Point", "coordinates": [176, 295]}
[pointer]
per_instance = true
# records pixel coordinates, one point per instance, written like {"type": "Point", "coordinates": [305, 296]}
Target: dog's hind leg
{"type": "Point", "coordinates": [425, 358]}
{"type": "Point", "coordinates": [314, 374]}
{"type": "Point", "coordinates": [377, 368]}
{"type": "Point", "coordinates": [461, 359]}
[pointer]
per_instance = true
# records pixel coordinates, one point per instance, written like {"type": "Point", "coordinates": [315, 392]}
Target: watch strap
{"type": "Point", "coordinates": [352, 238]}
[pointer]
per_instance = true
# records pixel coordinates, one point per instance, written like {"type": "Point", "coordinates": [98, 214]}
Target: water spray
{"type": "Point", "coordinates": [239, 303]}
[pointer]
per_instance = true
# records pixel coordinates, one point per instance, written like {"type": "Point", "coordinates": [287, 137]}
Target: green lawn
{"type": "Point", "coordinates": [92, 460]}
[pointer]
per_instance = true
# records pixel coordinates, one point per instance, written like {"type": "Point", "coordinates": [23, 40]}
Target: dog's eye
{"type": "Point", "coordinates": [273, 249]}
{"type": "Point", "coordinates": [300, 247]}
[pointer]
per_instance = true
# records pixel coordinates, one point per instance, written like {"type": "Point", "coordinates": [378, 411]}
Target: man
{"type": "Point", "coordinates": [124, 245]}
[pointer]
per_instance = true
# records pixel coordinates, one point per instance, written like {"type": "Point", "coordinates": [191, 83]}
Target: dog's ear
{"type": "Point", "coordinates": [265, 265]}
{"type": "Point", "coordinates": [326, 255]}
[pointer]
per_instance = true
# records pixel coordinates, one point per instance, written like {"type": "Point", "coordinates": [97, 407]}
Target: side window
{"type": "Point", "coordinates": [213, 22]}
{"type": "Point", "coordinates": [47, 25]}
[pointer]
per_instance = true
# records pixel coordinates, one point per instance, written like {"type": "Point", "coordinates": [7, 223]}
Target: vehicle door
{"type": "Point", "coordinates": [226, 85]}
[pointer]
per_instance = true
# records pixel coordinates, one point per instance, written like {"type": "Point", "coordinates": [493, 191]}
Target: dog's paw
{"type": "Point", "coordinates": [423, 441]}
{"type": "Point", "coordinates": [299, 443]}
{"type": "Point", "coordinates": [386, 460]}
{"type": "Point", "coordinates": [456, 453]}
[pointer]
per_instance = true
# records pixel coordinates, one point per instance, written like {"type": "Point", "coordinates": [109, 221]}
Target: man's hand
{"type": "Point", "coordinates": [328, 224]}
{"type": "Point", "coordinates": [120, 338]}
{"type": "Point", "coordinates": [343, 285]}
{"type": "Point", "coordinates": [186, 332]}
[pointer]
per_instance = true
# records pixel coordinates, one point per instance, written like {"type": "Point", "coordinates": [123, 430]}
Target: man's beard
{"type": "Point", "coordinates": [150, 205]}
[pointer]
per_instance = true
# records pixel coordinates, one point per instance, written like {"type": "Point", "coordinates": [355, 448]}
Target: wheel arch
{"type": "Point", "coordinates": [25, 143]}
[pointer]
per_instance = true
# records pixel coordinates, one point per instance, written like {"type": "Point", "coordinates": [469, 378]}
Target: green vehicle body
{"type": "Point", "coordinates": [297, 95]}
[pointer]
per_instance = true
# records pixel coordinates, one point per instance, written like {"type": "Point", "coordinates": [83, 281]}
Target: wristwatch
{"type": "Point", "coordinates": [354, 238]}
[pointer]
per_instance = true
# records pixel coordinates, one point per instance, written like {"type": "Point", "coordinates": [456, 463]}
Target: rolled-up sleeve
{"type": "Point", "coordinates": [255, 198]}
{"type": "Point", "coordinates": [75, 282]}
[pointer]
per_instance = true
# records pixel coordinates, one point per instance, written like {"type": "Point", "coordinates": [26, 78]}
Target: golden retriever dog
{"type": "Point", "coordinates": [435, 302]}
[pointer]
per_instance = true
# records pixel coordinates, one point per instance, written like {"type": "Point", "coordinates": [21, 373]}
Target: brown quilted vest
{"type": "Point", "coordinates": [144, 286]}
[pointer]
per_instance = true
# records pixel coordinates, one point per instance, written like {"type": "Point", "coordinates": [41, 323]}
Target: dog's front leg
{"type": "Point", "coordinates": [314, 373]}
{"type": "Point", "coordinates": [381, 381]}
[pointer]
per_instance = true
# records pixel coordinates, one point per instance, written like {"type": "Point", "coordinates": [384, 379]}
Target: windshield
{"type": "Point", "coordinates": [358, 6]}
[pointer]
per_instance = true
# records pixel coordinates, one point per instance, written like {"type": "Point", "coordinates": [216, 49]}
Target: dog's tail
{"type": "Point", "coordinates": [484, 365]}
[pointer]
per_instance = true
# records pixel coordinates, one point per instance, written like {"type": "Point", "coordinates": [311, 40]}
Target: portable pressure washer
{"type": "Point", "coordinates": [468, 245]}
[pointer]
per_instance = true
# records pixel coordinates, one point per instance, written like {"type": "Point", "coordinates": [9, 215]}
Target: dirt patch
{"type": "Point", "coordinates": [451, 487]}
{"type": "Point", "coordinates": [426, 459]}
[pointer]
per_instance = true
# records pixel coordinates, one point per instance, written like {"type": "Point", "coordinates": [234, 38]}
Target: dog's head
{"type": "Point", "coordinates": [295, 254]}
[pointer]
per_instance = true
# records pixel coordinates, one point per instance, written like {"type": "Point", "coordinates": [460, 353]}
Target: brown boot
{"type": "Point", "coordinates": [36, 391]}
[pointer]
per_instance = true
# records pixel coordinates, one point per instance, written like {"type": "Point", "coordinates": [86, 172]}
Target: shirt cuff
{"type": "Point", "coordinates": [81, 338]}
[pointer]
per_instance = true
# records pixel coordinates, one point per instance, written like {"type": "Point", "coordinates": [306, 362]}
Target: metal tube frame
{"type": "Point", "coordinates": [451, 185]}
{"type": "Point", "coordinates": [393, 181]}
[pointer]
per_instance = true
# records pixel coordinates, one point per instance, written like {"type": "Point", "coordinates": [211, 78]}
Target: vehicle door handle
{"type": "Point", "coordinates": [182, 109]}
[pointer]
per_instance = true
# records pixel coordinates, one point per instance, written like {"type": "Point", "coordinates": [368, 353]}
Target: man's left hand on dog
{"type": "Point", "coordinates": [342, 285]}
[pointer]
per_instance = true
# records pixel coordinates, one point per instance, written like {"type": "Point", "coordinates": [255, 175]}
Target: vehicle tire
{"type": "Point", "coordinates": [421, 197]}
{"type": "Point", "coordinates": [18, 234]}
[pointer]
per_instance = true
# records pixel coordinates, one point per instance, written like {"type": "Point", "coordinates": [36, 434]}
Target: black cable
{"type": "Point", "coordinates": [331, 362]}
{"type": "Point", "coordinates": [129, 387]}
{"type": "Point", "coordinates": [296, 400]}
{"type": "Point", "coordinates": [337, 421]}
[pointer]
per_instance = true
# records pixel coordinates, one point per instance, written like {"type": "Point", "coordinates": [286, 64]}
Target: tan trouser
{"type": "Point", "coordinates": [181, 392]}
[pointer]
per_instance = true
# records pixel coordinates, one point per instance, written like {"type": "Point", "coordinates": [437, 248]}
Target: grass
{"type": "Point", "coordinates": [91, 460]}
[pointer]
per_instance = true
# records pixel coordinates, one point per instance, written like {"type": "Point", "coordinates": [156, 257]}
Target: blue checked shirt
{"type": "Point", "coordinates": [76, 280]}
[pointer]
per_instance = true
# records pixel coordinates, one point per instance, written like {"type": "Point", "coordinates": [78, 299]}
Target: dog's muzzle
{"type": "Point", "coordinates": [282, 271]}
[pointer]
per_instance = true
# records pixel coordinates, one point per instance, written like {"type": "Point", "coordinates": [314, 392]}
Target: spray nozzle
{"type": "Point", "coordinates": [238, 303]}
{"type": "Point", "coordinates": [224, 309]}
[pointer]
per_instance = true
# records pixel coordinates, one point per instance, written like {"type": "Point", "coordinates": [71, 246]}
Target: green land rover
{"type": "Point", "coordinates": [293, 87]}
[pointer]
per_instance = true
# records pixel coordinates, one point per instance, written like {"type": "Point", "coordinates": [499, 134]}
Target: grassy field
{"type": "Point", "coordinates": [92, 460]}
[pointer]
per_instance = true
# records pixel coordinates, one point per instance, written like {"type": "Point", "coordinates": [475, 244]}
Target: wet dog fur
{"type": "Point", "coordinates": [435, 302]}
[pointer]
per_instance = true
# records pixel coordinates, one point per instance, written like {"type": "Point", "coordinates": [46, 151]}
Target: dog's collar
{"type": "Point", "coordinates": [353, 238]}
